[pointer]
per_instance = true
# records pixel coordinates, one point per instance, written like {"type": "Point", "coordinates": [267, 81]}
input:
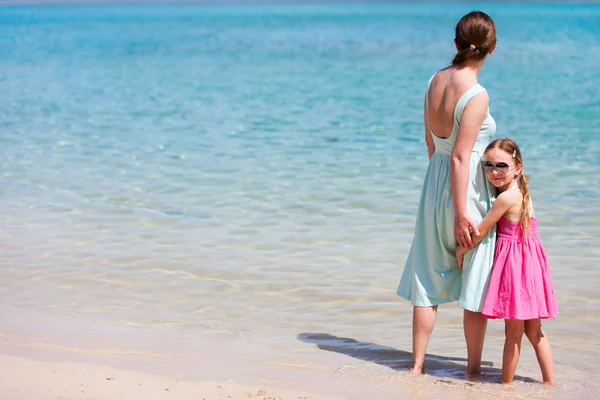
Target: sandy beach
{"type": "Point", "coordinates": [35, 369]}
{"type": "Point", "coordinates": [30, 379]}
{"type": "Point", "coordinates": [78, 358]}
{"type": "Point", "coordinates": [26, 379]}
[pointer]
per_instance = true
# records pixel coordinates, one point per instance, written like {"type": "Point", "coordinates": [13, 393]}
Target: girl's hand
{"type": "Point", "coordinates": [459, 259]}
{"type": "Point", "coordinates": [460, 256]}
{"type": "Point", "coordinates": [463, 228]}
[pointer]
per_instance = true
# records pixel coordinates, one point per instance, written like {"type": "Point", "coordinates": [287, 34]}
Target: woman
{"type": "Point", "coordinates": [455, 196]}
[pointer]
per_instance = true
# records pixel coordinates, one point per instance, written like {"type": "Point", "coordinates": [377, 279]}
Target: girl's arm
{"type": "Point", "coordinates": [428, 138]}
{"type": "Point", "coordinates": [503, 203]}
{"type": "Point", "coordinates": [460, 159]}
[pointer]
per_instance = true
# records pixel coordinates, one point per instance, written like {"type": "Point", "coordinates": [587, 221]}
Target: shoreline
{"type": "Point", "coordinates": [45, 355]}
{"type": "Point", "coordinates": [57, 356]}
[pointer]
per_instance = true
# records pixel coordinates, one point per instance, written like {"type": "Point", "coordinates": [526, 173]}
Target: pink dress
{"type": "Point", "coordinates": [520, 284]}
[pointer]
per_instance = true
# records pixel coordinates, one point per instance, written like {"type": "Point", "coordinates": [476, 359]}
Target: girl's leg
{"type": "Point", "coordinates": [543, 351]}
{"type": "Point", "coordinates": [423, 322]}
{"type": "Point", "coordinates": [513, 330]}
{"type": "Point", "coordinates": [474, 324]}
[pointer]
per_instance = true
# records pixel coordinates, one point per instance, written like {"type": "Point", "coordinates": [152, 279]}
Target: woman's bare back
{"type": "Point", "coordinates": [445, 90]}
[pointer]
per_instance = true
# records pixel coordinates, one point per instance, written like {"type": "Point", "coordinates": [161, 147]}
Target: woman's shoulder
{"type": "Point", "coordinates": [458, 83]}
{"type": "Point", "coordinates": [440, 76]}
{"type": "Point", "coordinates": [460, 79]}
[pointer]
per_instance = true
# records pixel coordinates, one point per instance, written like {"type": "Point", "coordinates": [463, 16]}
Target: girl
{"type": "Point", "coordinates": [520, 289]}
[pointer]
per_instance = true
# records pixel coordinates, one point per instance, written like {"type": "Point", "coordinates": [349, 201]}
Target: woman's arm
{"type": "Point", "coordinates": [470, 124]}
{"type": "Point", "coordinates": [428, 138]}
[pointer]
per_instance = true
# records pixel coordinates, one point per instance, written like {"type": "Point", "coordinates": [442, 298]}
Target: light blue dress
{"type": "Point", "coordinates": [431, 275]}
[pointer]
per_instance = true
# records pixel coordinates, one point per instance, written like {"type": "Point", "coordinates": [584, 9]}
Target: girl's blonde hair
{"type": "Point", "coordinates": [510, 147]}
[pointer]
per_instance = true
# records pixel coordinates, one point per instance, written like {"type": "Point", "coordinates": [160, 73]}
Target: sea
{"type": "Point", "coordinates": [241, 182]}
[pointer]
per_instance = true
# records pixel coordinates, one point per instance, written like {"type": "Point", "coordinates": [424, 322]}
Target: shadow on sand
{"type": "Point", "coordinates": [399, 360]}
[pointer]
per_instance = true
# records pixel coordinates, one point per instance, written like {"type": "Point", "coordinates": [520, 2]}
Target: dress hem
{"type": "Point", "coordinates": [472, 309]}
{"type": "Point", "coordinates": [512, 318]}
{"type": "Point", "coordinates": [431, 303]}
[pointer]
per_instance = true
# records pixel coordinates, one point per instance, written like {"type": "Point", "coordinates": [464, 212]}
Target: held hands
{"type": "Point", "coordinates": [460, 256]}
{"type": "Point", "coordinates": [463, 228]}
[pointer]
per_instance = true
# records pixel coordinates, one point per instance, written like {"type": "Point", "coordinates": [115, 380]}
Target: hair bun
{"type": "Point", "coordinates": [474, 27]}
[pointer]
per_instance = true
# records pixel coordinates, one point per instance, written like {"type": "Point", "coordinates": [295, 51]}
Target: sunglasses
{"type": "Point", "coordinates": [500, 166]}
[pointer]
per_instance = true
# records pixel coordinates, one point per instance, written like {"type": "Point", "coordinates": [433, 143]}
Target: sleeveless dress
{"type": "Point", "coordinates": [521, 283]}
{"type": "Point", "coordinates": [431, 275]}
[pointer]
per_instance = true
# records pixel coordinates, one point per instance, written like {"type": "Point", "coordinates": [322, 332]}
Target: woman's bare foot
{"type": "Point", "coordinates": [416, 369]}
{"type": "Point", "coordinates": [473, 375]}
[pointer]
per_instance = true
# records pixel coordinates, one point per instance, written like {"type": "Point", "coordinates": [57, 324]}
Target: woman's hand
{"type": "Point", "coordinates": [463, 227]}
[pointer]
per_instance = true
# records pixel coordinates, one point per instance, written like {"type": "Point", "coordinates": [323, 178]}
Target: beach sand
{"type": "Point", "coordinates": [33, 370]}
{"type": "Point", "coordinates": [49, 355]}
{"type": "Point", "coordinates": [84, 360]}
{"type": "Point", "coordinates": [26, 379]}
{"type": "Point", "coordinates": [57, 356]}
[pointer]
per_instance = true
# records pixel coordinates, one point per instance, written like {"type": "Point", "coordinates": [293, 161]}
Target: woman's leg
{"type": "Point", "coordinates": [423, 322]}
{"type": "Point", "coordinates": [513, 330]}
{"type": "Point", "coordinates": [474, 324]}
{"type": "Point", "coordinates": [543, 351]}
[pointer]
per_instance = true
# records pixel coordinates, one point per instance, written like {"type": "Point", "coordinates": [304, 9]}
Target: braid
{"type": "Point", "coordinates": [525, 206]}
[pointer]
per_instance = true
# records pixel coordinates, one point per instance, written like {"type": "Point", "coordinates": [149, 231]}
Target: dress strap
{"type": "Point", "coordinates": [427, 91]}
{"type": "Point", "coordinates": [464, 99]}
{"type": "Point", "coordinates": [427, 102]}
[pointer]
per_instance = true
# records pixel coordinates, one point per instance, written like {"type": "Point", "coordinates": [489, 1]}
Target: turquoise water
{"type": "Point", "coordinates": [229, 164]}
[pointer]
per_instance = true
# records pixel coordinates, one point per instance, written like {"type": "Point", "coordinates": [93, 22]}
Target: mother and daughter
{"type": "Point", "coordinates": [476, 238]}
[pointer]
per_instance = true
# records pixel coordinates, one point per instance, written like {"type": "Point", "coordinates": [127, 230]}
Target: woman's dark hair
{"type": "Point", "coordinates": [475, 37]}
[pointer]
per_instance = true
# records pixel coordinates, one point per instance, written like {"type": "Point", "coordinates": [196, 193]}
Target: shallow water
{"type": "Point", "coordinates": [254, 171]}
